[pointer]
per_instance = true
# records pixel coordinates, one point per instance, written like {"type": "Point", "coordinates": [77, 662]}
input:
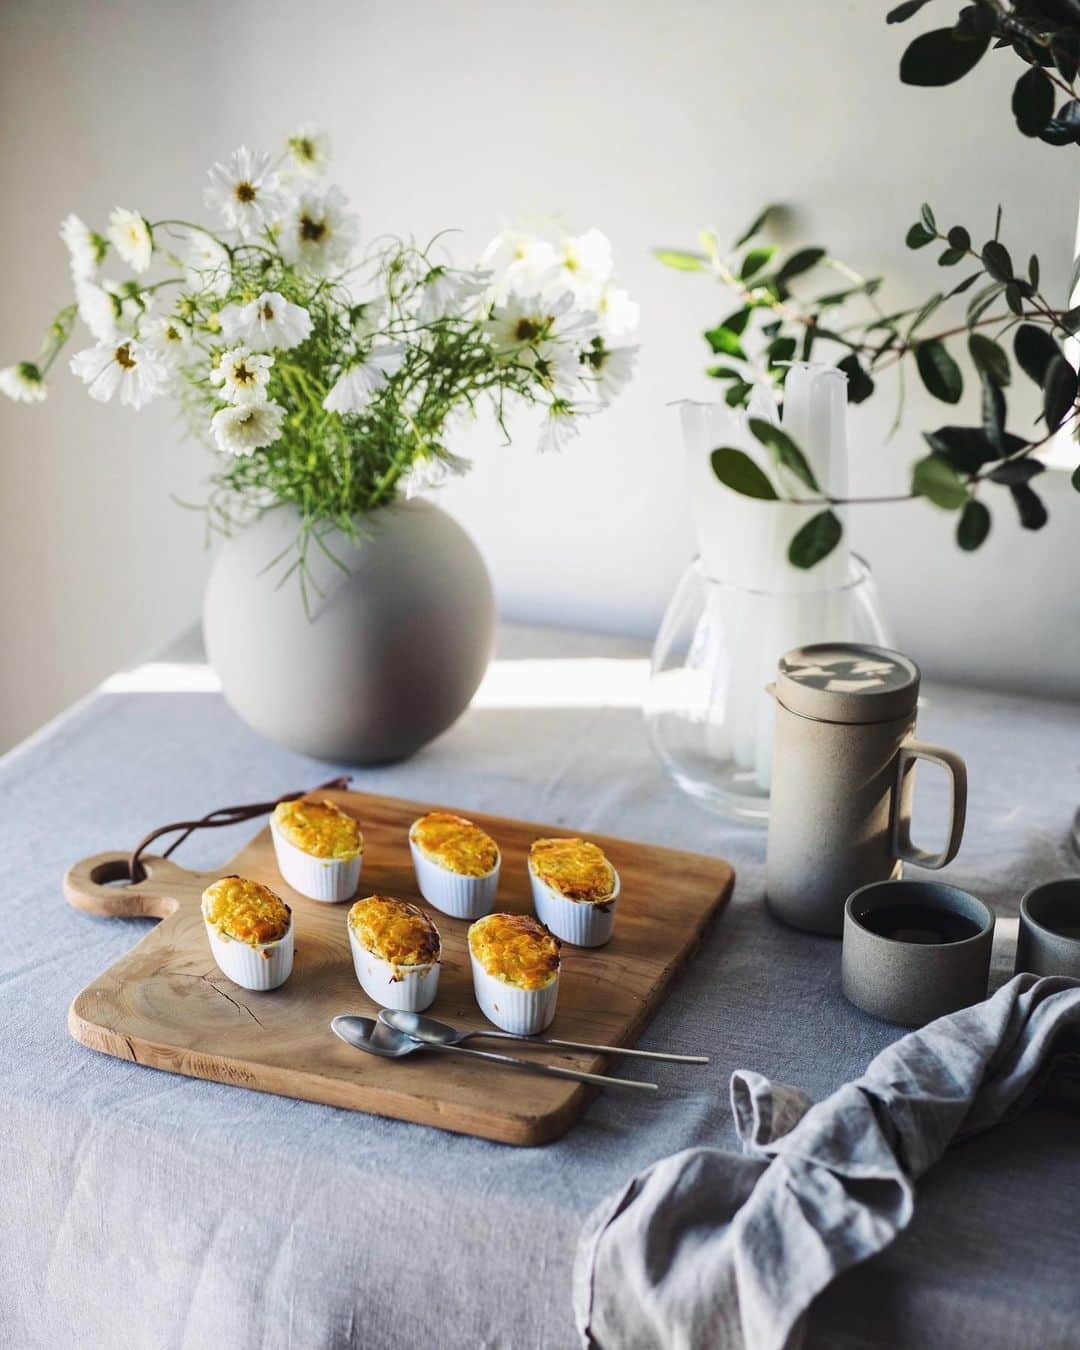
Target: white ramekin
{"type": "Point", "coordinates": [575, 921]}
{"type": "Point", "coordinates": [326, 879]}
{"type": "Point", "coordinates": [460, 897]}
{"type": "Point", "coordinates": [261, 968]}
{"type": "Point", "coordinates": [413, 990]}
{"type": "Point", "coordinates": [525, 1012]}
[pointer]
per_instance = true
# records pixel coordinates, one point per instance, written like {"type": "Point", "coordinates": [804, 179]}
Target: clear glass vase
{"type": "Point", "coordinates": [708, 710]}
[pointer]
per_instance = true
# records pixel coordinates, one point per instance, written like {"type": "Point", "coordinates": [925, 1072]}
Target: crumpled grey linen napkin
{"type": "Point", "coordinates": [712, 1248]}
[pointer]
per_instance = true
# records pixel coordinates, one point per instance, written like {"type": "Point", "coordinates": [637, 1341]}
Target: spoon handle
{"type": "Point", "coordinates": [599, 1049]}
{"type": "Point", "coordinates": [553, 1070]}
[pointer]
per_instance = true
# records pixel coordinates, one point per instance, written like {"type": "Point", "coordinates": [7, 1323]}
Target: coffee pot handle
{"type": "Point", "coordinates": [954, 766]}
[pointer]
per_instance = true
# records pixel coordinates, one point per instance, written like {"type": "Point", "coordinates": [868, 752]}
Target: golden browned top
{"type": "Point", "coordinates": [455, 843]}
{"type": "Point", "coordinates": [320, 829]}
{"type": "Point", "coordinates": [395, 931]}
{"type": "Point", "coordinates": [575, 868]}
{"type": "Point", "coordinates": [516, 948]}
{"type": "Point", "coordinates": [246, 911]}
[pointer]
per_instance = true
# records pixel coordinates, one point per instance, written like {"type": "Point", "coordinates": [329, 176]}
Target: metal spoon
{"type": "Point", "coordinates": [428, 1030]}
{"type": "Point", "coordinates": [377, 1038]}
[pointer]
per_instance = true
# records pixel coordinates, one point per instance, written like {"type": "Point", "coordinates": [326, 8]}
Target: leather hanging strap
{"type": "Point", "coordinates": [225, 815]}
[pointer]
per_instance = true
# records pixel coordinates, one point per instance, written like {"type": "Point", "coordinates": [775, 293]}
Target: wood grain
{"type": "Point", "coordinates": [166, 1003]}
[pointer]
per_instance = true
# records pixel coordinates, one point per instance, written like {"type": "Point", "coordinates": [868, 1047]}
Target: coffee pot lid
{"type": "Point", "coordinates": [847, 682]}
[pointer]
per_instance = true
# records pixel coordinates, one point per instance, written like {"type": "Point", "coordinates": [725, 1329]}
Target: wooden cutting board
{"type": "Point", "coordinates": [167, 1004]}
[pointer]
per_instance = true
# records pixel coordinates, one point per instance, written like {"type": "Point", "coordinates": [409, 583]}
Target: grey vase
{"type": "Point", "coordinates": [386, 658]}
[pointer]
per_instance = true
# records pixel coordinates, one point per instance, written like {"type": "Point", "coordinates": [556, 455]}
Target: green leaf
{"type": "Point", "coordinates": [959, 238]}
{"type": "Point", "coordinates": [966, 448]}
{"type": "Point", "coordinates": [935, 478]}
{"type": "Point", "coordinates": [1075, 478]}
{"type": "Point", "coordinates": [905, 11]}
{"type": "Point", "coordinates": [1070, 320]}
{"type": "Point", "coordinates": [993, 412]}
{"type": "Point", "coordinates": [973, 526]}
{"type": "Point", "coordinates": [799, 262]}
{"type": "Point", "coordinates": [964, 285]}
{"type": "Point", "coordinates": [780, 350]}
{"type": "Point", "coordinates": [815, 540]}
{"type": "Point", "coordinates": [725, 342]}
{"type": "Point", "coordinates": [924, 313]}
{"type": "Point", "coordinates": [996, 260]}
{"type": "Point", "coordinates": [754, 261]}
{"type": "Point", "coordinates": [737, 470]}
{"type": "Point", "coordinates": [1064, 129]}
{"type": "Point", "coordinates": [737, 322]}
{"type": "Point", "coordinates": [941, 56]}
{"type": "Point", "coordinates": [859, 384]}
{"type": "Point", "coordinates": [989, 358]}
{"type": "Point", "coordinates": [951, 257]}
{"type": "Point", "coordinates": [939, 372]}
{"type": "Point", "coordinates": [1034, 349]}
{"type": "Point", "coordinates": [1029, 506]}
{"type": "Point", "coordinates": [754, 226]}
{"type": "Point", "coordinates": [1014, 297]}
{"type": "Point", "coordinates": [681, 261]}
{"type": "Point", "coordinates": [927, 217]}
{"type": "Point", "coordinates": [1033, 271]}
{"type": "Point", "coordinates": [919, 236]}
{"type": "Point", "coordinates": [1059, 391]}
{"type": "Point", "coordinates": [738, 394]}
{"type": "Point", "coordinates": [723, 373]}
{"type": "Point", "coordinates": [784, 450]}
{"type": "Point", "coordinates": [1015, 471]}
{"type": "Point", "coordinates": [1033, 101]}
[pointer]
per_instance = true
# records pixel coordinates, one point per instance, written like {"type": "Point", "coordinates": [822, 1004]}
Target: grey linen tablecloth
{"type": "Point", "coordinates": [710, 1248]}
{"type": "Point", "coordinates": [140, 1209]}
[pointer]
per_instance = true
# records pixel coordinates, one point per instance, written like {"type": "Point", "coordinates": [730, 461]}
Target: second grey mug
{"type": "Point", "coordinates": [843, 752]}
{"type": "Point", "coordinates": [1048, 939]}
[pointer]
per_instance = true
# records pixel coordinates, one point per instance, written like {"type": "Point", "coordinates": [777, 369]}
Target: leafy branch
{"type": "Point", "coordinates": [780, 317]}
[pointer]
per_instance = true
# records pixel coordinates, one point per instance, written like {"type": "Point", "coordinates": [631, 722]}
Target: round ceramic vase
{"type": "Point", "coordinates": [389, 651]}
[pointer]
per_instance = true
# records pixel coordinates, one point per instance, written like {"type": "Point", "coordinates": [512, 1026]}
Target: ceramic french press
{"type": "Point", "coordinates": [843, 755]}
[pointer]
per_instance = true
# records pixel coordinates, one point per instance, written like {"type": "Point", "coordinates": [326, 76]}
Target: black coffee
{"type": "Point", "coordinates": [912, 922]}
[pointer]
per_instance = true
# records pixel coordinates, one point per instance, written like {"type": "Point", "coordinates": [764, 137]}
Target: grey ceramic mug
{"type": "Point", "coordinates": [915, 950]}
{"type": "Point", "coordinates": [1048, 940]}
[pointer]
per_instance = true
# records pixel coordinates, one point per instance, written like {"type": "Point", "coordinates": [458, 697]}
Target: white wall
{"type": "Point", "coordinates": [646, 120]}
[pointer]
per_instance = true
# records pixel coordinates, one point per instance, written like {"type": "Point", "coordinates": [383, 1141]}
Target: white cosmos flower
{"type": "Point", "coordinates": [243, 428]}
{"type": "Point", "coordinates": [616, 313]}
{"type": "Point", "coordinates": [24, 383]}
{"type": "Point", "coordinates": [585, 264]}
{"type": "Point", "coordinates": [206, 264]}
{"type": "Point", "coordinates": [525, 327]}
{"type": "Point", "coordinates": [267, 323]}
{"type": "Point", "coordinates": [608, 370]}
{"type": "Point", "coordinates": [129, 234]}
{"type": "Point", "coordinates": [519, 262]}
{"type": "Point", "coordinates": [169, 339]}
{"type": "Point", "coordinates": [355, 388]}
{"type": "Point", "coordinates": [98, 309]}
{"type": "Point", "coordinates": [108, 309]}
{"type": "Point", "coordinates": [317, 231]}
{"type": "Point", "coordinates": [368, 316]}
{"type": "Point", "coordinates": [86, 249]}
{"type": "Point", "coordinates": [242, 375]}
{"type": "Point", "coordinates": [130, 367]}
{"type": "Point", "coordinates": [246, 191]}
{"type": "Point", "coordinates": [563, 422]}
{"type": "Point", "coordinates": [447, 292]}
{"type": "Point", "coordinates": [432, 472]}
{"type": "Point", "coordinates": [309, 149]}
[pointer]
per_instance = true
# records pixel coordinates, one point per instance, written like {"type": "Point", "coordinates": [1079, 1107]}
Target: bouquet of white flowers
{"type": "Point", "coordinates": [321, 379]}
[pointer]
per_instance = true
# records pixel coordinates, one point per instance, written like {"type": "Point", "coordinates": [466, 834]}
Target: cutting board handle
{"type": "Point", "coordinates": [95, 885]}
